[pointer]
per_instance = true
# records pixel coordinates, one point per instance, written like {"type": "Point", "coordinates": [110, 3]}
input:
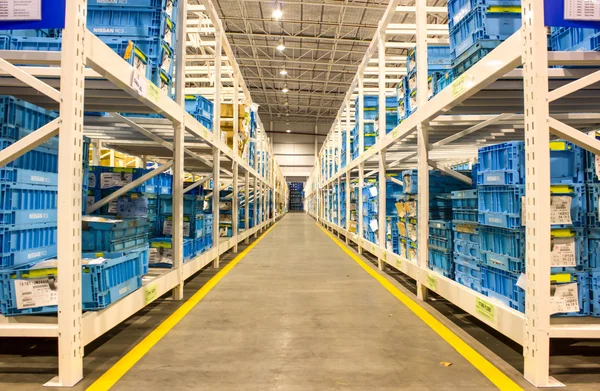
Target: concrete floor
{"type": "Point", "coordinates": [295, 314]}
{"type": "Point", "coordinates": [298, 314]}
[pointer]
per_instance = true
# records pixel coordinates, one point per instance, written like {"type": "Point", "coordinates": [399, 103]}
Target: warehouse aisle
{"type": "Point", "coordinates": [298, 314]}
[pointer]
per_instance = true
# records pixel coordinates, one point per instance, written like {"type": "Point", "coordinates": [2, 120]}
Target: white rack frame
{"type": "Point", "coordinates": [109, 77]}
{"type": "Point", "coordinates": [451, 116]}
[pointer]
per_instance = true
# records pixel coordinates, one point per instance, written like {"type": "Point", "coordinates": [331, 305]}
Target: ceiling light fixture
{"type": "Point", "coordinates": [283, 71]}
{"type": "Point", "coordinates": [277, 12]}
{"type": "Point", "coordinates": [288, 131]}
{"type": "Point", "coordinates": [281, 45]}
{"type": "Point", "coordinates": [284, 89]}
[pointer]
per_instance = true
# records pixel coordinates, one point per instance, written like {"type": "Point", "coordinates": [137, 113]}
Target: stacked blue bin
{"type": "Point", "coordinates": [147, 24]}
{"type": "Point", "coordinates": [571, 39]}
{"type": "Point", "coordinates": [477, 27]}
{"type": "Point", "coordinates": [226, 213]}
{"type": "Point", "coordinates": [370, 116]}
{"type": "Point", "coordinates": [466, 250]}
{"type": "Point", "coordinates": [438, 63]}
{"type": "Point", "coordinates": [193, 216]}
{"type": "Point", "coordinates": [592, 180]}
{"type": "Point", "coordinates": [161, 251]}
{"type": "Point", "coordinates": [440, 211]}
{"type": "Point", "coordinates": [501, 195]}
{"type": "Point", "coordinates": [29, 186]}
{"type": "Point", "coordinates": [201, 109]}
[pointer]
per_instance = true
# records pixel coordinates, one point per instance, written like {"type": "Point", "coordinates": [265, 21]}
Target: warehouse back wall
{"type": "Point", "coordinates": [295, 151]}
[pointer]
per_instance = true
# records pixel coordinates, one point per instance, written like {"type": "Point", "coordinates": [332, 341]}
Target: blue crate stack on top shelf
{"type": "Point", "coordinates": [370, 125]}
{"type": "Point", "coordinates": [478, 27]}
{"type": "Point", "coordinates": [438, 64]}
{"type": "Point", "coordinates": [501, 195]}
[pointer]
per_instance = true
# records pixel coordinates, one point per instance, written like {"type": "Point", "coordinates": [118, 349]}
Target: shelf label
{"type": "Point", "coordinates": [35, 292]}
{"type": "Point", "coordinates": [562, 252]}
{"type": "Point", "coordinates": [153, 93]}
{"type": "Point", "coordinates": [150, 293]}
{"type": "Point", "coordinates": [399, 263]}
{"type": "Point", "coordinates": [485, 309]}
{"type": "Point", "coordinates": [582, 10]}
{"type": "Point", "coordinates": [20, 10]}
{"type": "Point", "coordinates": [139, 83]}
{"type": "Point", "coordinates": [560, 210]}
{"type": "Point", "coordinates": [384, 256]}
{"type": "Point", "coordinates": [459, 86]}
{"type": "Point", "coordinates": [565, 298]}
{"type": "Point", "coordinates": [432, 282]}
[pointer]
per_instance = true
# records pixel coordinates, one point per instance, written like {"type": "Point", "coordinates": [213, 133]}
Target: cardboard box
{"type": "Point", "coordinates": [227, 110]}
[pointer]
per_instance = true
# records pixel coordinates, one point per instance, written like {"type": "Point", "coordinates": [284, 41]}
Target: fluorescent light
{"type": "Point", "coordinates": [285, 89]}
{"type": "Point", "coordinates": [283, 71]}
{"type": "Point", "coordinates": [277, 12]}
{"type": "Point", "coordinates": [288, 131]}
{"type": "Point", "coordinates": [281, 45]}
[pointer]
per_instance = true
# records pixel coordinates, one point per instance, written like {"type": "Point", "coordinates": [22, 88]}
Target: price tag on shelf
{"type": "Point", "coordinates": [485, 309]}
{"type": "Point", "coordinates": [153, 93]}
{"type": "Point", "coordinates": [432, 282]}
{"type": "Point", "coordinates": [150, 293]}
{"type": "Point", "coordinates": [459, 85]}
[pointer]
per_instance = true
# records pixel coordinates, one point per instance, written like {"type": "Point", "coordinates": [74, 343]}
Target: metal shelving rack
{"type": "Point", "coordinates": [87, 73]}
{"type": "Point", "coordinates": [492, 102]}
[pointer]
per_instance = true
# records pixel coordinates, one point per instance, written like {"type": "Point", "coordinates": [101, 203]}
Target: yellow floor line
{"type": "Point", "coordinates": [496, 376]}
{"type": "Point", "coordinates": [117, 371]}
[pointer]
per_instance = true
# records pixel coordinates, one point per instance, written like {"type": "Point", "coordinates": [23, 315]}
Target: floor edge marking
{"type": "Point", "coordinates": [490, 371]}
{"type": "Point", "coordinates": [109, 378]}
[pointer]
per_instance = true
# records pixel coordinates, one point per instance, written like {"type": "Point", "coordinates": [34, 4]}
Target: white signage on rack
{"type": "Point", "coordinates": [20, 9]}
{"type": "Point", "coordinates": [582, 9]}
{"type": "Point", "coordinates": [565, 298]}
{"type": "Point", "coordinates": [32, 293]}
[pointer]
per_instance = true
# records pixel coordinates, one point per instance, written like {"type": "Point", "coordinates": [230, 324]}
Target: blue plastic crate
{"type": "Point", "coordinates": [130, 22]}
{"type": "Point", "coordinates": [467, 248]}
{"type": "Point", "coordinates": [444, 81]}
{"type": "Point", "coordinates": [193, 227]}
{"type": "Point", "coordinates": [156, 4]}
{"type": "Point", "coordinates": [208, 242]}
{"type": "Point", "coordinates": [162, 79]}
{"type": "Point", "coordinates": [438, 58]}
{"type": "Point", "coordinates": [137, 57]}
{"type": "Point", "coordinates": [468, 232]}
{"type": "Point", "coordinates": [102, 283]}
{"type": "Point", "coordinates": [199, 245]}
{"type": "Point", "coordinates": [502, 164]}
{"type": "Point", "coordinates": [13, 132]}
{"type": "Point", "coordinates": [20, 245]}
{"type": "Point", "coordinates": [192, 205]}
{"type": "Point", "coordinates": [468, 281]}
{"type": "Point", "coordinates": [482, 23]}
{"type": "Point", "coordinates": [573, 39]}
{"type": "Point", "coordinates": [38, 159]}
{"type": "Point", "coordinates": [4, 42]}
{"type": "Point", "coordinates": [467, 266]}
{"type": "Point", "coordinates": [583, 290]}
{"type": "Point", "coordinates": [441, 262]}
{"type": "Point", "coordinates": [22, 204]}
{"type": "Point", "coordinates": [23, 114]}
{"type": "Point", "coordinates": [501, 285]}
{"type": "Point", "coordinates": [595, 294]}
{"type": "Point", "coordinates": [113, 178]}
{"type": "Point", "coordinates": [161, 251]}
{"type": "Point", "coordinates": [36, 44]}
{"type": "Point", "coordinates": [465, 215]}
{"type": "Point", "coordinates": [199, 105]}
{"type": "Point", "coordinates": [108, 234]}
{"type": "Point", "coordinates": [472, 55]}
{"type": "Point", "coordinates": [142, 250]}
{"type": "Point", "coordinates": [458, 9]}
{"type": "Point", "coordinates": [502, 249]}
{"type": "Point", "coordinates": [567, 163]}
{"type": "Point", "coordinates": [500, 206]}
{"type": "Point", "coordinates": [593, 238]}
{"type": "Point", "coordinates": [132, 205]}
{"type": "Point", "coordinates": [464, 199]}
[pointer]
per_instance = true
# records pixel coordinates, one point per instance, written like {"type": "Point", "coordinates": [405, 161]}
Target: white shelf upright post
{"type": "Point", "coordinates": [422, 151]}
{"type": "Point", "coordinates": [536, 347]}
{"type": "Point", "coordinates": [348, 160]}
{"type": "Point", "coordinates": [361, 115]}
{"type": "Point", "coordinates": [359, 202]}
{"type": "Point", "coordinates": [382, 223]}
{"type": "Point", "coordinates": [247, 205]}
{"type": "Point", "coordinates": [70, 170]}
{"type": "Point", "coordinates": [235, 199]}
{"type": "Point", "coordinates": [178, 154]}
{"type": "Point", "coordinates": [216, 198]}
{"type": "Point", "coordinates": [217, 136]}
